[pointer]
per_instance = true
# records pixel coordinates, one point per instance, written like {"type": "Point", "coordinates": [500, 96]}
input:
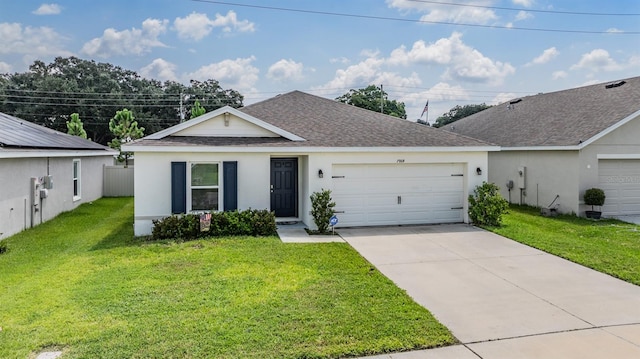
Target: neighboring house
{"type": "Point", "coordinates": [274, 154]}
{"type": "Point", "coordinates": [45, 172]}
{"type": "Point", "coordinates": [562, 143]}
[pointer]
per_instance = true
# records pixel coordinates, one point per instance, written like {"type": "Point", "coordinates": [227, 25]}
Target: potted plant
{"type": "Point", "coordinates": [594, 197]}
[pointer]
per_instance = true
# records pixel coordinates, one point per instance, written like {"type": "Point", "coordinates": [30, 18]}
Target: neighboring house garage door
{"type": "Point", "coordinates": [620, 180]}
{"type": "Point", "coordinates": [370, 195]}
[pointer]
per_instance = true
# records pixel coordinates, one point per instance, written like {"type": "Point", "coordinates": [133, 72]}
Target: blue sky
{"type": "Point", "coordinates": [472, 52]}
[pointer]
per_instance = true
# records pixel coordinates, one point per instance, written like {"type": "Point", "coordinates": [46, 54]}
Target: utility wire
{"type": "Point", "coordinates": [525, 9]}
{"type": "Point", "coordinates": [328, 13]}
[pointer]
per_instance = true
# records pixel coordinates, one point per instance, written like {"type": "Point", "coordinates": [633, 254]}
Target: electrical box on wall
{"type": "Point", "coordinates": [522, 175]}
{"type": "Point", "coordinates": [47, 182]}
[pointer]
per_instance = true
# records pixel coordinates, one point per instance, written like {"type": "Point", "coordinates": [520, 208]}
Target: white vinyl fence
{"type": "Point", "coordinates": [118, 181]}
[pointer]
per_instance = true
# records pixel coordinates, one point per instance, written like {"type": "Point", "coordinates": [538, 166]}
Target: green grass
{"type": "Point", "coordinates": [607, 245]}
{"type": "Point", "coordinates": [81, 283]}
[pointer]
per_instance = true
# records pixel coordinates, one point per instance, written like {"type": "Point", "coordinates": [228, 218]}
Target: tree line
{"type": "Point", "coordinates": [48, 94]}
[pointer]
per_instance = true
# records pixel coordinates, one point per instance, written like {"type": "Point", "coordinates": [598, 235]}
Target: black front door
{"type": "Point", "coordinates": [284, 186]}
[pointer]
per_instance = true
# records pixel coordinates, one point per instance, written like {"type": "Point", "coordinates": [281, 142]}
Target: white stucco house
{"type": "Point", "coordinates": [274, 154]}
{"type": "Point", "coordinates": [556, 145]}
{"type": "Point", "coordinates": [45, 172]}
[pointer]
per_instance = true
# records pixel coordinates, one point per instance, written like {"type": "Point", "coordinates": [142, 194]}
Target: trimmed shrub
{"type": "Point", "coordinates": [322, 209]}
{"type": "Point", "coordinates": [486, 206]}
{"type": "Point", "coordinates": [264, 223]}
{"type": "Point", "coordinates": [594, 197]}
{"type": "Point", "coordinates": [183, 227]}
{"type": "Point", "coordinates": [250, 222]}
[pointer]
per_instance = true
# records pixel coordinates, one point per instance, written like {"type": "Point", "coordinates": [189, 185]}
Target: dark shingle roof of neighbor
{"type": "Point", "coordinates": [327, 123]}
{"type": "Point", "coordinates": [19, 133]}
{"type": "Point", "coordinates": [563, 118]}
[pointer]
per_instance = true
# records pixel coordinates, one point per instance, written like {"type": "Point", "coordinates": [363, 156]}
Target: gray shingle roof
{"type": "Point", "coordinates": [327, 123]}
{"type": "Point", "coordinates": [563, 118]}
{"type": "Point", "coordinates": [18, 133]}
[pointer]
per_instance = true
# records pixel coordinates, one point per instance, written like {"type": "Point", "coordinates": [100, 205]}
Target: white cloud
{"type": "Point", "coordinates": [285, 70]}
{"type": "Point", "coordinates": [230, 22]}
{"type": "Point", "coordinates": [5, 68]}
{"type": "Point", "coordinates": [238, 74]}
{"type": "Point", "coordinates": [463, 62]}
{"type": "Point", "coordinates": [196, 26]}
{"type": "Point", "coordinates": [127, 42]}
{"type": "Point", "coordinates": [523, 15]}
{"type": "Point", "coordinates": [339, 60]}
{"type": "Point", "coordinates": [597, 60]}
{"type": "Point", "coordinates": [446, 13]}
{"type": "Point", "coordinates": [160, 69]}
{"type": "Point", "coordinates": [613, 30]}
{"type": "Point", "coordinates": [48, 9]}
{"type": "Point", "coordinates": [502, 98]}
{"type": "Point", "coordinates": [33, 42]}
{"type": "Point", "coordinates": [367, 72]}
{"type": "Point", "coordinates": [546, 56]}
{"type": "Point", "coordinates": [556, 75]}
{"type": "Point", "coordinates": [525, 3]}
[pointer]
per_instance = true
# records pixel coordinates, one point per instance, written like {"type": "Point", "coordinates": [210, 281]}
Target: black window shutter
{"type": "Point", "coordinates": [178, 187]}
{"type": "Point", "coordinates": [230, 182]}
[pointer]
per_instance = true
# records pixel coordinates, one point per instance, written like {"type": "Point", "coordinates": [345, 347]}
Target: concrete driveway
{"type": "Point", "coordinates": [502, 299]}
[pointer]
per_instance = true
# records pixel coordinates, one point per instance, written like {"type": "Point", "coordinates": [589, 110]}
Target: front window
{"type": "Point", "coordinates": [76, 180]}
{"type": "Point", "coordinates": [204, 183]}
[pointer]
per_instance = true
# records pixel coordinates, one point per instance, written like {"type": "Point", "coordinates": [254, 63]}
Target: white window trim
{"type": "Point", "coordinates": [189, 187]}
{"type": "Point", "coordinates": [78, 179]}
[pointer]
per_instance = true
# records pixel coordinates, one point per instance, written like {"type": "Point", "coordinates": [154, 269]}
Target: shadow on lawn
{"type": "Point", "coordinates": [120, 236]}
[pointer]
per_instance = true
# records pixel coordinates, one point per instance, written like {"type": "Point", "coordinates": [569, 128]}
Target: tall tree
{"type": "Point", "coordinates": [371, 98]}
{"type": "Point", "coordinates": [197, 110]}
{"type": "Point", "coordinates": [47, 93]}
{"type": "Point", "coordinates": [75, 126]}
{"type": "Point", "coordinates": [125, 129]}
{"type": "Point", "coordinates": [458, 112]}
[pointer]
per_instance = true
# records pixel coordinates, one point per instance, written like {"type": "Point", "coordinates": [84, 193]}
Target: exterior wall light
{"type": "Point", "coordinates": [479, 171]}
{"type": "Point", "coordinates": [320, 174]}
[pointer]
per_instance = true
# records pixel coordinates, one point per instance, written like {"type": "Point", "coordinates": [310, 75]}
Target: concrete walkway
{"type": "Point", "coordinates": [502, 299]}
{"type": "Point", "coordinates": [296, 233]}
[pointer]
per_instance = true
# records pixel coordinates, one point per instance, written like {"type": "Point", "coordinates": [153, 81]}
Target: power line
{"type": "Point", "coordinates": [371, 17]}
{"type": "Point", "coordinates": [525, 9]}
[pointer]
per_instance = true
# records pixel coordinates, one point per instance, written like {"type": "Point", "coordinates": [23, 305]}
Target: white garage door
{"type": "Point", "coordinates": [620, 180]}
{"type": "Point", "coordinates": [384, 194]}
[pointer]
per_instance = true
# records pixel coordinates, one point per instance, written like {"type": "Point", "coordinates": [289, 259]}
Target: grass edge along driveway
{"type": "Point", "coordinates": [608, 245]}
{"type": "Point", "coordinates": [81, 283]}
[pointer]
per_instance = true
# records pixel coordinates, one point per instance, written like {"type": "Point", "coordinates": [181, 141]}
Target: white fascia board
{"type": "Point", "coordinates": [44, 154]}
{"type": "Point", "coordinates": [227, 149]}
{"type": "Point", "coordinates": [610, 129]}
{"type": "Point", "coordinates": [221, 111]}
{"type": "Point", "coordinates": [618, 156]}
{"type": "Point", "coordinates": [542, 148]}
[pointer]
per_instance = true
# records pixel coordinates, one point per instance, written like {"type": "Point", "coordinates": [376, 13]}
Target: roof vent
{"type": "Point", "coordinates": [615, 84]}
{"type": "Point", "coordinates": [512, 102]}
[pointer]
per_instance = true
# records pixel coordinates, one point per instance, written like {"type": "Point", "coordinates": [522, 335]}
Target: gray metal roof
{"type": "Point", "coordinates": [19, 133]}
{"type": "Point", "coordinates": [327, 123]}
{"type": "Point", "coordinates": [563, 118]}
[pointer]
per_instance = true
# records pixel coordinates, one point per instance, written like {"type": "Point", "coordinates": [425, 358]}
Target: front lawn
{"type": "Point", "coordinates": [609, 246]}
{"type": "Point", "coordinates": [80, 283]}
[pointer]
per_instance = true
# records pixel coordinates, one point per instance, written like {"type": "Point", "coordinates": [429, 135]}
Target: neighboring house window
{"type": "Point", "coordinates": [76, 180]}
{"type": "Point", "coordinates": [204, 179]}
